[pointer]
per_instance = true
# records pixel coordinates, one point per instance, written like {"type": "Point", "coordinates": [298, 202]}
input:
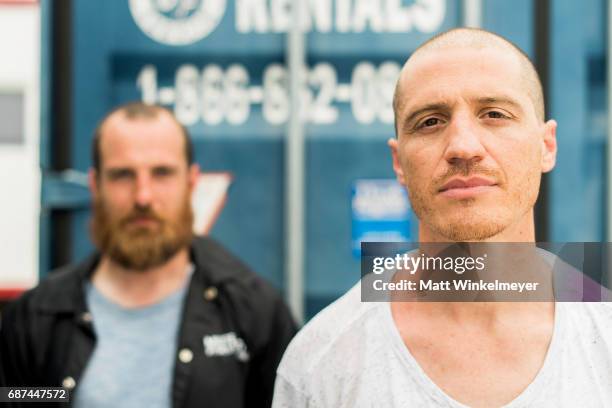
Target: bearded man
{"type": "Point", "coordinates": [471, 145]}
{"type": "Point", "coordinates": [158, 317]}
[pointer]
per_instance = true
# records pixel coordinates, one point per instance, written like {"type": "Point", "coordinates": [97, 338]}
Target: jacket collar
{"type": "Point", "coordinates": [63, 291]}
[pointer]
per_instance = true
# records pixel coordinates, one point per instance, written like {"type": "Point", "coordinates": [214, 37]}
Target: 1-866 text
{"type": "Point", "coordinates": [215, 94]}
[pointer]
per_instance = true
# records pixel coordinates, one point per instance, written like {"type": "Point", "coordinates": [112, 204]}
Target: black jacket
{"type": "Point", "coordinates": [47, 337]}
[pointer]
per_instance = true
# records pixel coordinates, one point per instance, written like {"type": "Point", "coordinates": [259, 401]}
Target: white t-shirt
{"type": "Point", "coordinates": [352, 355]}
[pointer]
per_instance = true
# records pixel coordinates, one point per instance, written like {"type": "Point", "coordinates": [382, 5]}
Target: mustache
{"type": "Point", "coordinates": [141, 212]}
{"type": "Point", "coordinates": [467, 169]}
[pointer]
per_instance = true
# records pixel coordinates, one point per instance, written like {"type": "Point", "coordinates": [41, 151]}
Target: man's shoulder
{"type": "Point", "coordinates": [221, 268]}
{"type": "Point", "coordinates": [327, 335]}
{"type": "Point", "coordinates": [598, 315]}
{"type": "Point", "coordinates": [256, 304]}
{"type": "Point", "coordinates": [588, 334]}
{"type": "Point", "coordinates": [219, 264]}
{"type": "Point", "coordinates": [57, 290]}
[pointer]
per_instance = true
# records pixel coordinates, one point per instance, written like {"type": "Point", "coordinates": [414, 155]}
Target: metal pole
{"type": "Point", "coordinates": [608, 237]}
{"type": "Point", "coordinates": [609, 144]}
{"type": "Point", "coordinates": [294, 170]}
{"type": "Point", "coordinates": [472, 13]}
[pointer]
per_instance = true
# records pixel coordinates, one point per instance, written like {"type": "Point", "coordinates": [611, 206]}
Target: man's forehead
{"type": "Point", "coordinates": [444, 73]}
{"type": "Point", "coordinates": [472, 47]}
{"type": "Point", "coordinates": [462, 63]}
{"type": "Point", "coordinates": [431, 62]}
{"type": "Point", "coordinates": [155, 129]}
{"type": "Point", "coordinates": [141, 138]}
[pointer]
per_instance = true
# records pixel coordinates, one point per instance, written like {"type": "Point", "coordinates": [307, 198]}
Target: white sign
{"type": "Point", "coordinates": [208, 200]}
{"type": "Point", "coordinates": [177, 22]}
{"type": "Point", "coordinates": [184, 22]}
{"type": "Point", "coordinates": [380, 199]}
{"type": "Point", "coordinates": [342, 16]}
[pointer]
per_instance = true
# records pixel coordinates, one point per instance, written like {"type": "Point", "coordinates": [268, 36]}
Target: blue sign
{"type": "Point", "coordinates": [381, 212]}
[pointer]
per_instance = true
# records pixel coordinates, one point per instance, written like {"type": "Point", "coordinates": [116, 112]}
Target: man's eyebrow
{"type": "Point", "coordinates": [166, 167]}
{"type": "Point", "coordinates": [499, 99]}
{"type": "Point", "coordinates": [117, 169]}
{"type": "Point", "coordinates": [431, 107]}
{"type": "Point", "coordinates": [114, 172]}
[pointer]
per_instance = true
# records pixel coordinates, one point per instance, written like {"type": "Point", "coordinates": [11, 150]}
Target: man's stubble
{"type": "Point", "coordinates": [469, 221]}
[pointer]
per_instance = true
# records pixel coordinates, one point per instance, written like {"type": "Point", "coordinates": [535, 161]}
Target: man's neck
{"type": "Point", "coordinates": [132, 289]}
{"type": "Point", "coordinates": [481, 353]}
{"type": "Point", "coordinates": [488, 315]}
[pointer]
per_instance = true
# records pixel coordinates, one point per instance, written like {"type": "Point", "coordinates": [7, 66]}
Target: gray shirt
{"type": "Point", "coordinates": [133, 360]}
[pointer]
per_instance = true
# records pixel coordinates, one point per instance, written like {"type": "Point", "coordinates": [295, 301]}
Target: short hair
{"type": "Point", "coordinates": [137, 110]}
{"type": "Point", "coordinates": [477, 38]}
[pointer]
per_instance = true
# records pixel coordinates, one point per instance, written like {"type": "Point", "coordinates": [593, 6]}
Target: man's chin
{"type": "Point", "coordinates": [141, 248]}
{"type": "Point", "coordinates": [465, 231]}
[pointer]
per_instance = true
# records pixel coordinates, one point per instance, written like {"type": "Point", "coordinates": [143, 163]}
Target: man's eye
{"type": "Point", "coordinates": [162, 172]}
{"type": "Point", "coordinates": [430, 122]}
{"type": "Point", "coordinates": [495, 115]}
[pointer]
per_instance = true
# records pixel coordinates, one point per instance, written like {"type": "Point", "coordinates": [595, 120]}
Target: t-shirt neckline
{"type": "Point", "coordinates": [525, 398]}
{"type": "Point", "coordinates": [141, 311]}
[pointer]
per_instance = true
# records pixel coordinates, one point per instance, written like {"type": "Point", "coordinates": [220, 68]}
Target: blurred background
{"type": "Point", "coordinates": [294, 103]}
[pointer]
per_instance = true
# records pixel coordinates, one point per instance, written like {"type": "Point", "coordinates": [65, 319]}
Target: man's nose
{"type": "Point", "coordinates": [143, 190]}
{"type": "Point", "coordinates": [464, 141]}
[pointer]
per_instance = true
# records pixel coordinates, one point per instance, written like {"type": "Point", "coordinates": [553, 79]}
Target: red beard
{"type": "Point", "coordinates": [137, 247]}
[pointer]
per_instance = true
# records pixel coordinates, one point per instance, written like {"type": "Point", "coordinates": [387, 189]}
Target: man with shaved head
{"type": "Point", "coordinates": [471, 146]}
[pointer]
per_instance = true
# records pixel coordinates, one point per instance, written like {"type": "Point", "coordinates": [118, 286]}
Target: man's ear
{"type": "Point", "coordinates": [393, 144]}
{"type": "Point", "coordinates": [93, 181]}
{"type": "Point", "coordinates": [194, 175]}
{"type": "Point", "coordinates": [549, 146]}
